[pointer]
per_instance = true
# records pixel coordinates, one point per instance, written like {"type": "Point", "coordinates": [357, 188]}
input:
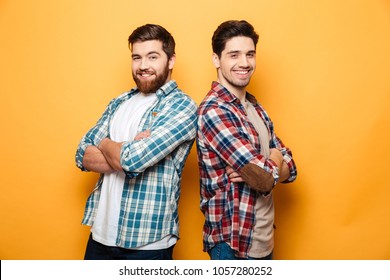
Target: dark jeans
{"type": "Point", "coordinates": [98, 251]}
{"type": "Point", "coordinates": [222, 251]}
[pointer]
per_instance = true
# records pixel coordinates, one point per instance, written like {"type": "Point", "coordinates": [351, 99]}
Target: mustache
{"type": "Point", "coordinates": [140, 72]}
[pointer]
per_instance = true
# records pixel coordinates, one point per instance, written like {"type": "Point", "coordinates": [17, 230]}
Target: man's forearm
{"type": "Point", "coordinates": [257, 178]}
{"type": "Point", "coordinates": [111, 151]}
{"type": "Point", "coordinates": [95, 161]}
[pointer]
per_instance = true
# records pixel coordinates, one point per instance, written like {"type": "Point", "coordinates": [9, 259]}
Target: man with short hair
{"type": "Point", "coordinates": [139, 146]}
{"type": "Point", "coordinates": [240, 157]}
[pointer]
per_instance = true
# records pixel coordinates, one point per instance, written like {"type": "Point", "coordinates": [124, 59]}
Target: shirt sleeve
{"type": "Point", "coordinates": [95, 135]}
{"type": "Point", "coordinates": [224, 133]}
{"type": "Point", "coordinates": [173, 125]}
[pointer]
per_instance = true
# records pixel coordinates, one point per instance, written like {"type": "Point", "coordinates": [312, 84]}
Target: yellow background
{"type": "Point", "coordinates": [322, 74]}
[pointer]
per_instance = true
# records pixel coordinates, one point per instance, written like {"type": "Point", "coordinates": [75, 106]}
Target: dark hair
{"type": "Point", "coordinates": [154, 32]}
{"type": "Point", "coordinates": [230, 29]}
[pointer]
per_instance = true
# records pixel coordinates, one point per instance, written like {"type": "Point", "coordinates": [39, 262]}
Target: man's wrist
{"type": "Point", "coordinates": [102, 143]}
{"type": "Point", "coordinates": [275, 170]}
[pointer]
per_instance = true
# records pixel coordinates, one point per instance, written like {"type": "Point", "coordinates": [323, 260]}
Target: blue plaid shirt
{"type": "Point", "coordinates": [153, 166]}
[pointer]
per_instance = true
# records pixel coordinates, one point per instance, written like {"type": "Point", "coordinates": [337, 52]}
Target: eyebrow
{"type": "Point", "coordinates": [237, 51]}
{"type": "Point", "coordinates": [149, 53]}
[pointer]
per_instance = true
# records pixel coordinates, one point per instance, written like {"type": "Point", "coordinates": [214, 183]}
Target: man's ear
{"type": "Point", "coordinates": [215, 59]}
{"type": "Point", "coordinates": [171, 62]}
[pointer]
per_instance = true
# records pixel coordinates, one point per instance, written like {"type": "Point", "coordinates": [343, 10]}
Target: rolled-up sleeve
{"type": "Point", "coordinates": [95, 135]}
{"type": "Point", "coordinates": [287, 157]}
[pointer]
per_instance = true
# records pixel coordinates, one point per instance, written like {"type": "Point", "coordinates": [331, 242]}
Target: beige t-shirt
{"type": "Point", "coordinates": [263, 230]}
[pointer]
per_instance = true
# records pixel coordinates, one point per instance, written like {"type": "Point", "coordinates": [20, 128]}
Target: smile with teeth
{"type": "Point", "coordinates": [242, 72]}
{"type": "Point", "coordinates": [145, 74]}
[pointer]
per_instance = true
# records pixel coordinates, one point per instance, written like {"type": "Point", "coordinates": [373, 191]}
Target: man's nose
{"type": "Point", "coordinates": [144, 64]}
{"type": "Point", "coordinates": [243, 61]}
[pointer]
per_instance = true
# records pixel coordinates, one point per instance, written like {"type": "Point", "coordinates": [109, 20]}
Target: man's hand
{"type": "Point", "coordinates": [234, 176]}
{"type": "Point", "coordinates": [142, 135]}
{"type": "Point", "coordinates": [277, 157]}
{"type": "Point", "coordinates": [284, 171]}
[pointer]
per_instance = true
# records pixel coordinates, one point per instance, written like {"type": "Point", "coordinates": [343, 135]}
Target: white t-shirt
{"type": "Point", "coordinates": [123, 127]}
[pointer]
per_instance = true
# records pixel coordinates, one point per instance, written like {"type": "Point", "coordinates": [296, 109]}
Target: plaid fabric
{"type": "Point", "coordinates": [153, 166]}
{"type": "Point", "coordinates": [225, 136]}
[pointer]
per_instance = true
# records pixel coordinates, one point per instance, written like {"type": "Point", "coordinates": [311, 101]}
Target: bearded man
{"type": "Point", "coordinates": [139, 146]}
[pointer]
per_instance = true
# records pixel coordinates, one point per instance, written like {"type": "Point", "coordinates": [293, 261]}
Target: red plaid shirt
{"type": "Point", "coordinates": [226, 137]}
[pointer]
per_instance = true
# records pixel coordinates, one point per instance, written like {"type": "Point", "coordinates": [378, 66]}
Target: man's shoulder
{"type": "Point", "coordinates": [179, 96]}
{"type": "Point", "coordinates": [210, 100]}
{"type": "Point", "coordinates": [115, 101]}
{"type": "Point", "coordinates": [213, 101]}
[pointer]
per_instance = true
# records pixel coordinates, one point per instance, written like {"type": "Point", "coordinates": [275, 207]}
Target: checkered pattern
{"type": "Point", "coordinates": [153, 166]}
{"type": "Point", "coordinates": [225, 136]}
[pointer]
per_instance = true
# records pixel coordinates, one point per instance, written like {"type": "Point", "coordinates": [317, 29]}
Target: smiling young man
{"type": "Point", "coordinates": [240, 157]}
{"type": "Point", "coordinates": [139, 146]}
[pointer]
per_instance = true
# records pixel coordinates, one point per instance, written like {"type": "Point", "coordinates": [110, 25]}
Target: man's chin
{"type": "Point", "coordinates": [151, 86]}
{"type": "Point", "coordinates": [148, 88]}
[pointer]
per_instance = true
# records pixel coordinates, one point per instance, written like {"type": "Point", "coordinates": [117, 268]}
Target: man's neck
{"type": "Point", "coordinates": [239, 92]}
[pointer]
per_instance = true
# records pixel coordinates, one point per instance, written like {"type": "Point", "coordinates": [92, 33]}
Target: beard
{"type": "Point", "coordinates": [152, 86]}
{"type": "Point", "coordinates": [236, 82]}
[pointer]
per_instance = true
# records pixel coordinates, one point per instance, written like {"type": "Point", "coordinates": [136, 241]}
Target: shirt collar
{"type": "Point", "coordinates": [226, 95]}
